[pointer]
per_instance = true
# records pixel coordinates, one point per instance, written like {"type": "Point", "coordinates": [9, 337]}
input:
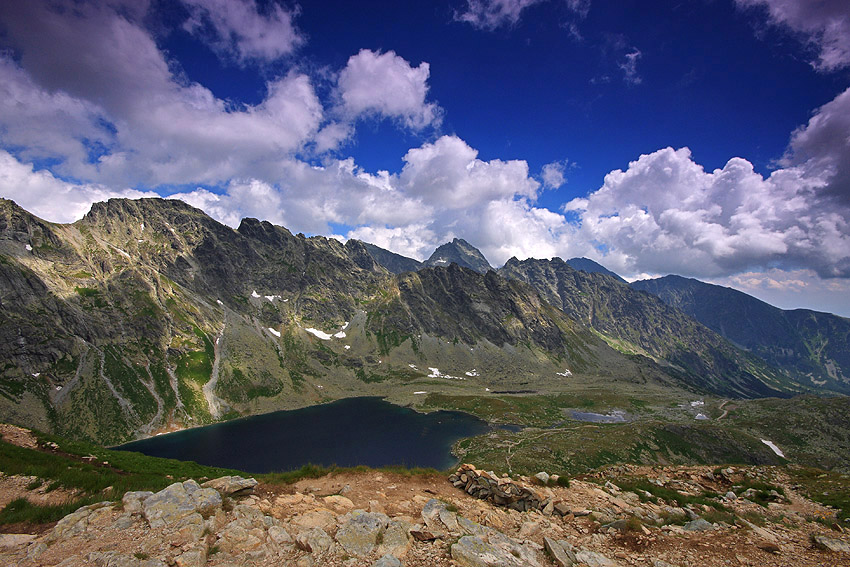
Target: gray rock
{"type": "Point", "coordinates": [431, 513]}
{"type": "Point", "coordinates": [279, 535]}
{"type": "Point", "coordinates": [9, 541]}
{"type": "Point", "coordinates": [731, 496]}
{"type": "Point", "coordinates": [387, 561]}
{"type": "Point", "coordinates": [359, 531]}
{"type": "Point", "coordinates": [314, 540]}
{"type": "Point", "coordinates": [542, 477]}
{"type": "Point", "coordinates": [115, 559]}
{"type": "Point", "coordinates": [75, 522]}
{"type": "Point", "coordinates": [206, 501]}
{"type": "Point", "coordinates": [593, 559]}
{"type": "Point", "coordinates": [231, 485]}
{"type": "Point", "coordinates": [472, 551]}
{"type": "Point", "coordinates": [196, 557]}
{"type": "Point", "coordinates": [35, 550]}
{"type": "Point", "coordinates": [124, 522]}
{"type": "Point", "coordinates": [449, 519]}
{"type": "Point", "coordinates": [168, 506]}
{"type": "Point", "coordinates": [396, 540]}
{"type": "Point", "coordinates": [562, 556]}
{"type": "Point", "coordinates": [698, 525]}
{"type": "Point", "coordinates": [831, 543]}
{"type": "Point", "coordinates": [132, 501]}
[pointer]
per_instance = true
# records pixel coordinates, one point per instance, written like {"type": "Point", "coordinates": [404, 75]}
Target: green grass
{"type": "Point", "coordinates": [830, 488]}
{"type": "Point", "coordinates": [23, 511]}
{"type": "Point", "coordinates": [318, 471]}
{"type": "Point", "coordinates": [126, 471]}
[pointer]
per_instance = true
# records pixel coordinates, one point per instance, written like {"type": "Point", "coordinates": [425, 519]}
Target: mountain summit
{"type": "Point", "coordinates": [462, 253]}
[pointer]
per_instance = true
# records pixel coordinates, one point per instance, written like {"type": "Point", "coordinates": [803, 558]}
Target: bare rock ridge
{"type": "Point", "coordinates": [377, 519]}
{"type": "Point", "coordinates": [148, 316]}
{"type": "Point", "coordinates": [814, 347]}
{"type": "Point", "coordinates": [462, 253]}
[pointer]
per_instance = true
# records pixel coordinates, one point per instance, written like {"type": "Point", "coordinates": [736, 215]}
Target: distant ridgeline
{"type": "Point", "coordinates": [147, 315]}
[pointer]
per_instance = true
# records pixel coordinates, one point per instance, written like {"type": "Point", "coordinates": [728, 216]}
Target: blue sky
{"type": "Point", "coordinates": [703, 138]}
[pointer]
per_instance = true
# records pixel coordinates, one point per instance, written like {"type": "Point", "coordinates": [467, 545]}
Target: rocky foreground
{"type": "Point", "coordinates": [380, 519]}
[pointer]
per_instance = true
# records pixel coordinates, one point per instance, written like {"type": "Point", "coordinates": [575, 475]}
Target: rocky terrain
{"type": "Point", "coordinates": [707, 517]}
{"type": "Point", "coordinates": [148, 316]}
{"type": "Point", "coordinates": [812, 346]}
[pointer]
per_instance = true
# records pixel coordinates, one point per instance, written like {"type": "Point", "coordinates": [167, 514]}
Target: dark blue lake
{"type": "Point", "coordinates": [349, 432]}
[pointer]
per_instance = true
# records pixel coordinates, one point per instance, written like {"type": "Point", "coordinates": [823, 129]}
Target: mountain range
{"type": "Point", "coordinates": [148, 315]}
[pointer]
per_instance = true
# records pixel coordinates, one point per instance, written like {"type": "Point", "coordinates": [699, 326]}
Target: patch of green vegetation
{"type": "Point", "coordinates": [126, 471]}
{"type": "Point", "coordinates": [93, 297]}
{"type": "Point", "coordinates": [317, 471]}
{"type": "Point", "coordinates": [195, 367]}
{"type": "Point", "coordinates": [22, 511]}
{"type": "Point", "coordinates": [82, 275]}
{"type": "Point", "coordinates": [830, 488]}
{"type": "Point", "coordinates": [641, 486]}
{"type": "Point", "coordinates": [126, 379]}
{"type": "Point", "coordinates": [370, 378]}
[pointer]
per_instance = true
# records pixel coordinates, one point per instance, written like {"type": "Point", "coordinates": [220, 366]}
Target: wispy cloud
{"type": "Point", "coordinates": [825, 24]}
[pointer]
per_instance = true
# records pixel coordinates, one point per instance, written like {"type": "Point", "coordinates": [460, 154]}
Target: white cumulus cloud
{"type": "Point", "coordinates": [50, 198]}
{"type": "Point", "coordinates": [386, 85]}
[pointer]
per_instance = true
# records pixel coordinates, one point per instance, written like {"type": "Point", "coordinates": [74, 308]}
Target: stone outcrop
{"type": "Point", "coordinates": [426, 524]}
{"type": "Point", "coordinates": [505, 491]}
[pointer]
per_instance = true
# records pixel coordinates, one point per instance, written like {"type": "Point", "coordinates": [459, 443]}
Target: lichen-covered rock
{"type": "Point", "coordinates": [314, 540]}
{"type": "Point", "coordinates": [396, 539]}
{"type": "Point", "coordinates": [231, 485]}
{"type": "Point", "coordinates": [561, 552]}
{"type": "Point", "coordinates": [359, 531]}
{"type": "Point", "coordinates": [115, 559]}
{"type": "Point", "coordinates": [387, 561]}
{"type": "Point", "coordinates": [132, 501]}
{"type": "Point", "coordinates": [168, 506]}
{"type": "Point", "coordinates": [593, 559]}
{"type": "Point", "coordinates": [472, 551]}
{"type": "Point", "coordinates": [831, 544]}
{"type": "Point", "coordinates": [75, 522]}
{"type": "Point", "coordinates": [195, 557]}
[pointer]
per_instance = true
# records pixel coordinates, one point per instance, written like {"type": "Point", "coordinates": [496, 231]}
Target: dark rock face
{"type": "Point", "coordinates": [459, 252]}
{"type": "Point", "coordinates": [591, 267]}
{"type": "Point", "coordinates": [811, 346]}
{"type": "Point", "coordinates": [394, 263]}
{"type": "Point", "coordinates": [648, 326]}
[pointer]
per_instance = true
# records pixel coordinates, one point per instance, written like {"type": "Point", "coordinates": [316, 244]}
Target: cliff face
{"type": "Point", "coordinates": [812, 347]}
{"type": "Point", "coordinates": [640, 323]}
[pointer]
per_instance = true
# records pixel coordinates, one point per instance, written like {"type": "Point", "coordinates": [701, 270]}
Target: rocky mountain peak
{"type": "Point", "coordinates": [459, 252]}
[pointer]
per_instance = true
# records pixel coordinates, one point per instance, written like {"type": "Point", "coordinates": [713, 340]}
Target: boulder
{"type": "Point", "coordinates": [314, 540]}
{"type": "Point", "coordinates": [593, 559]}
{"type": "Point", "coordinates": [169, 505]}
{"type": "Point", "coordinates": [132, 501]}
{"type": "Point", "coordinates": [542, 478]}
{"type": "Point", "coordinates": [359, 531]}
{"type": "Point", "coordinates": [387, 561]}
{"type": "Point", "coordinates": [473, 551]}
{"type": "Point", "coordinates": [698, 525]}
{"type": "Point", "coordinates": [396, 540]}
{"type": "Point", "coordinates": [195, 557]}
{"type": "Point", "coordinates": [562, 555]}
{"type": "Point", "coordinates": [231, 485]}
{"type": "Point", "coordinates": [831, 543]}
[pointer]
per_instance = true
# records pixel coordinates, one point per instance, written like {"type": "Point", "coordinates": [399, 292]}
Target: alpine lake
{"type": "Point", "coordinates": [348, 432]}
